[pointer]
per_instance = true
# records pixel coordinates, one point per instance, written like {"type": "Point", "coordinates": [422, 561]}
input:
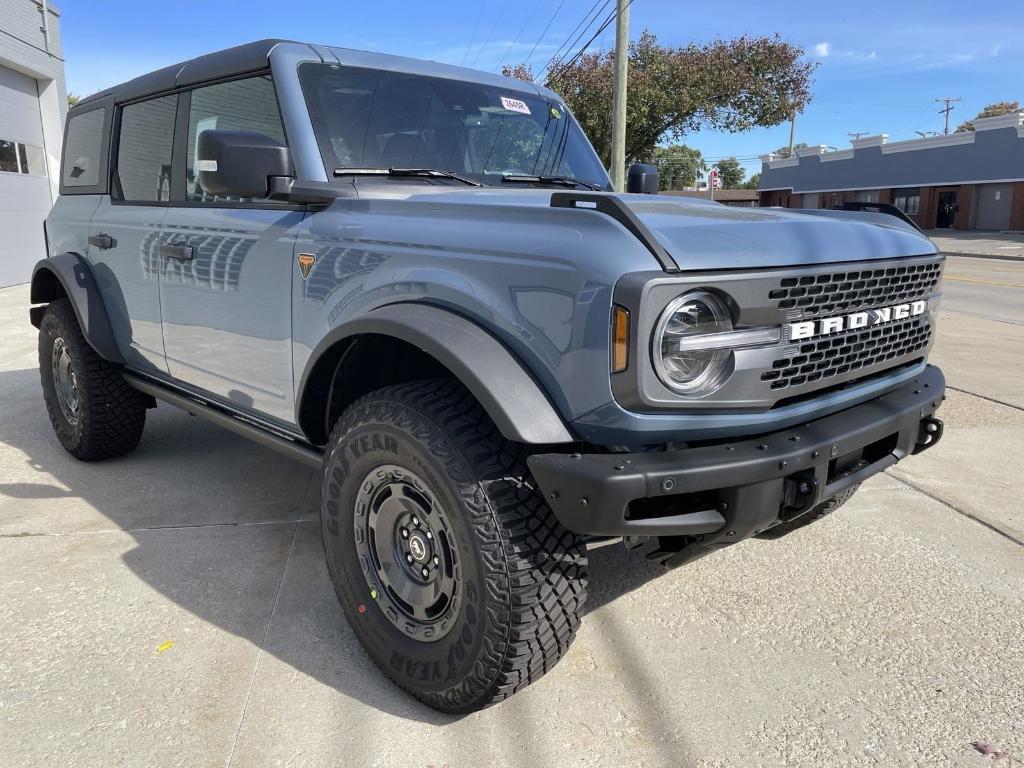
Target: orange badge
{"type": "Point", "coordinates": [306, 262]}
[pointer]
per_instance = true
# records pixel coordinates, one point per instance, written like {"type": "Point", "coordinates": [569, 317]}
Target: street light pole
{"type": "Point", "coordinates": [618, 168]}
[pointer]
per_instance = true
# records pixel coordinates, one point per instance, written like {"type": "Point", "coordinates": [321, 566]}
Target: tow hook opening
{"type": "Point", "coordinates": [928, 433]}
{"type": "Point", "coordinates": [800, 494]}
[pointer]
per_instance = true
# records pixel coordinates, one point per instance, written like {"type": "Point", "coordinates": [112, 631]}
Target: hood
{"type": "Point", "coordinates": [703, 235]}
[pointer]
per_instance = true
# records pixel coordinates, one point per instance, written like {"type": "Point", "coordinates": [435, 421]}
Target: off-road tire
{"type": "Point", "coordinates": [110, 414]}
{"type": "Point", "coordinates": [524, 576]}
{"type": "Point", "coordinates": [824, 509]}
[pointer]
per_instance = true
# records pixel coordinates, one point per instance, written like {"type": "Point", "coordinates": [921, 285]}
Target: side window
{"type": "Point", "coordinates": [82, 148]}
{"type": "Point", "coordinates": [239, 105]}
{"type": "Point", "coordinates": [144, 150]}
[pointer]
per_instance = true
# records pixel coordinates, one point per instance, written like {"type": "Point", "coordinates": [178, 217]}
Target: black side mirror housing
{"type": "Point", "coordinates": [642, 179]}
{"type": "Point", "coordinates": [242, 163]}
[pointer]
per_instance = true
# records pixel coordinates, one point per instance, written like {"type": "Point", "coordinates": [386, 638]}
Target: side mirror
{"type": "Point", "coordinates": [642, 179]}
{"type": "Point", "coordinates": [241, 163]}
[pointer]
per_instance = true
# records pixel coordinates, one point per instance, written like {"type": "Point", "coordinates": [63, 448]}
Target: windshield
{"type": "Point", "coordinates": [368, 118]}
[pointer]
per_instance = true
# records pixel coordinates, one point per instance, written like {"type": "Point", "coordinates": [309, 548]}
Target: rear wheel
{"type": "Point", "coordinates": [94, 412]}
{"type": "Point", "coordinates": [451, 568]}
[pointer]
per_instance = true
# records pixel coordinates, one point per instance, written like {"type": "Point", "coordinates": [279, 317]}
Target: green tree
{"type": "Point", "coordinates": [784, 151]}
{"type": "Point", "coordinates": [753, 181]}
{"type": "Point", "coordinates": [678, 166]}
{"type": "Point", "coordinates": [992, 110]}
{"type": "Point", "coordinates": [728, 85]}
{"type": "Point", "coordinates": [730, 173]}
{"type": "Point", "coordinates": [72, 99]}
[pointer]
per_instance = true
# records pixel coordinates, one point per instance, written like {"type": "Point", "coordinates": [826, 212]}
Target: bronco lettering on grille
{"type": "Point", "coordinates": [808, 329]}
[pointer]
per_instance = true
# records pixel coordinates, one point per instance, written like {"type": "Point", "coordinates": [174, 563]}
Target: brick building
{"type": "Point", "coordinates": [971, 180]}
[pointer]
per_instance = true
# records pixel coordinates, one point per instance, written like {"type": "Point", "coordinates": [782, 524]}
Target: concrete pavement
{"type": "Point", "coordinates": [999, 245]}
{"type": "Point", "coordinates": [173, 608]}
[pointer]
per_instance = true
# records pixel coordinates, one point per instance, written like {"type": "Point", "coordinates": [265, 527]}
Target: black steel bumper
{"type": "Point", "coordinates": [726, 492]}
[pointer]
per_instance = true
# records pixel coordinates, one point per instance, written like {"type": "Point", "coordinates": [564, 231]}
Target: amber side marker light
{"type": "Point", "coordinates": [620, 339]}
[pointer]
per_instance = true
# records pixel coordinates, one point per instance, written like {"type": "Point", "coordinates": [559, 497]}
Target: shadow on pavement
{"type": "Point", "coordinates": [187, 474]}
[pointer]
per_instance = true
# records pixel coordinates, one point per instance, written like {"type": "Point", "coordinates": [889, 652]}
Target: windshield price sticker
{"type": "Point", "coordinates": [514, 105]}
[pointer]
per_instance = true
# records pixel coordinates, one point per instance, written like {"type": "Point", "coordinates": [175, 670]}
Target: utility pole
{"type": "Point", "coordinates": [792, 133]}
{"type": "Point", "coordinates": [949, 101]}
{"type": "Point", "coordinates": [619, 97]}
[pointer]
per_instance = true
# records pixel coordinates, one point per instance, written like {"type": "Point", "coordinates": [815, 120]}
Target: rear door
{"type": "Point", "coordinates": [225, 291]}
{"type": "Point", "coordinates": [125, 230]}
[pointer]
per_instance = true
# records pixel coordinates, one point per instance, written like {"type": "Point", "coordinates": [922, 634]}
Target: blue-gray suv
{"type": "Point", "coordinates": [419, 278]}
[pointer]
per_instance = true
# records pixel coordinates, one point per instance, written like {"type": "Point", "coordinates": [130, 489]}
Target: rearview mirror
{"type": "Point", "coordinates": [241, 163]}
{"type": "Point", "coordinates": [642, 179]}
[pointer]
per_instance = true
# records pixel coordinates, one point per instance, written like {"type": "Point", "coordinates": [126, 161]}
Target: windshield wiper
{"type": "Point", "coordinates": [430, 173]}
{"type": "Point", "coordinates": [565, 181]}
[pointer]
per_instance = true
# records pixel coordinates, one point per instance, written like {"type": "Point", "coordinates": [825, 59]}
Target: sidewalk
{"type": "Point", "coordinates": [992, 245]}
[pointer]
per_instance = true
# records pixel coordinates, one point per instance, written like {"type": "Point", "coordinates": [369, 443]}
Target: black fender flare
{"type": "Point", "coordinates": [497, 379]}
{"type": "Point", "coordinates": [72, 273]}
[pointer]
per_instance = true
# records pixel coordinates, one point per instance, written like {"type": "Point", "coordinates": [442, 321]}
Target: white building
{"type": "Point", "coordinates": [33, 103]}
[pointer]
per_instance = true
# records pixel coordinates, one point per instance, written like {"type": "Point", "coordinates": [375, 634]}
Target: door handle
{"type": "Point", "coordinates": [176, 251]}
{"type": "Point", "coordinates": [101, 241]}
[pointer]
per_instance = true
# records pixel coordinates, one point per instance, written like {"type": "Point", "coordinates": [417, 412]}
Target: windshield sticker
{"type": "Point", "coordinates": [515, 105]}
{"type": "Point", "coordinates": [555, 113]}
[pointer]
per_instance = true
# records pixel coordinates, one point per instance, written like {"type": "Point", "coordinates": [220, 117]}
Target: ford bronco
{"type": "Point", "coordinates": [419, 278]}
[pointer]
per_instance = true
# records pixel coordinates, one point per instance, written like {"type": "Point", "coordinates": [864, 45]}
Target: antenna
{"type": "Point", "coordinates": [949, 102]}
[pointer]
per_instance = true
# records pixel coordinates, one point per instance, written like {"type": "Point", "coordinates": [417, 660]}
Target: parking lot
{"type": "Point", "coordinates": [173, 608]}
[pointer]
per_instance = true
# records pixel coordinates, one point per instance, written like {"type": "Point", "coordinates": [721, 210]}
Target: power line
{"type": "Point", "coordinates": [520, 33]}
{"type": "Point", "coordinates": [546, 28]}
{"type": "Point", "coordinates": [472, 37]}
{"type": "Point", "coordinates": [581, 51]}
{"type": "Point", "coordinates": [490, 34]}
{"type": "Point", "coordinates": [576, 35]}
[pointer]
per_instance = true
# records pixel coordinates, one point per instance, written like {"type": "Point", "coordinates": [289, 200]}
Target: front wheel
{"type": "Point", "coordinates": [452, 570]}
{"type": "Point", "coordinates": [94, 412]}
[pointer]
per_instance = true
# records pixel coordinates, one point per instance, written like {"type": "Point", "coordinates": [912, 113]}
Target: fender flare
{"type": "Point", "coordinates": [499, 381]}
{"type": "Point", "coordinates": [73, 273]}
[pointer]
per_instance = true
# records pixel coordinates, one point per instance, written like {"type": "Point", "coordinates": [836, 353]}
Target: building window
{"type": "Point", "coordinates": [907, 200]}
{"type": "Point", "coordinates": [144, 150]}
{"type": "Point", "coordinates": [16, 157]}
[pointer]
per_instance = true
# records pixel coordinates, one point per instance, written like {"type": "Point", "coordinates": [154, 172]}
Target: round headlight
{"type": "Point", "coordinates": [682, 368]}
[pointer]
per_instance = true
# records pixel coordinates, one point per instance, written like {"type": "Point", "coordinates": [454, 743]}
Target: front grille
{"type": "Point", "coordinates": [839, 292]}
{"type": "Point", "coordinates": [849, 352]}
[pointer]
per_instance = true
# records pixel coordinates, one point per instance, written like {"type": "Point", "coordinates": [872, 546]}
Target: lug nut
{"type": "Point", "coordinates": [425, 573]}
{"type": "Point", "coordinates": [436, 560]}
{"type": "Point", "coordinates": [408, 558]}
{"type": "Point", "coordinates": [430, 535]}
{"type": "Point", "coordinates": [405, 533]}
{"type": "Point", "coordinates": [415, 521]}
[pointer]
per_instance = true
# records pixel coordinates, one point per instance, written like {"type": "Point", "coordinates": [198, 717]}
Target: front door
{"type": "Point", "coordinates": [226, 272]}
{"type": "Point", "coordinates": [946, 216]}
{"type": "Point", "coordinates": [125, 231]}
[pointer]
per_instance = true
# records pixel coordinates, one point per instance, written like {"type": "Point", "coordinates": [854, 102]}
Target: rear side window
{"type": "Point", "coordinates": [143, 170]}
{"type": "Point", "coordinates": [238, 105]}
{"type": "Point", "coordinates": [82, 149]}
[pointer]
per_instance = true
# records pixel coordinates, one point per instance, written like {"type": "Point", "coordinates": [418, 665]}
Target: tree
{"type": "Point", "coordinates": [992, 110]}
{"type": "Point", "coordinates": [678, 166]}
{"type": "Point", "coordinates": [730, 173]}
{"type": "Point", "coordinates": [72, 99]}
{"type": "Point", "coordinates": [729, 85]}
{"type": "Point", "coordinates": [784, 151]}
{"type": "Point", "coordinates": [753, 181]}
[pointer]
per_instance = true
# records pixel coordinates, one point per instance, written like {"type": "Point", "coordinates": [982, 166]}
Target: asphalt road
{"type": "Point", "coordinates": [171, 608]}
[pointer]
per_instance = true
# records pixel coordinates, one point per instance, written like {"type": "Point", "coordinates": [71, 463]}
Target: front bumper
{"type": "Point", "coordinates": [726, 492]}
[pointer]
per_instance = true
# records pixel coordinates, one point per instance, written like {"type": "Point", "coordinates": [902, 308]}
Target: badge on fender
{"type": "Point", "coordinates": [306, 262]}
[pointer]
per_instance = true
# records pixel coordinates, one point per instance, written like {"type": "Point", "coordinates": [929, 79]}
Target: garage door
{"type": "Point", "coordinates": [993, 211]}
{"type": "Point", "coordinates": [24, 186]}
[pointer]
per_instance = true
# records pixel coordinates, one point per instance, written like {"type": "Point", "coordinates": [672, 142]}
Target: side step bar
{"type": "Point", "coordinates": [294, 449]}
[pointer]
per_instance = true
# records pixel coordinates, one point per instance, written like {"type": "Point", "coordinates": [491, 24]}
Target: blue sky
{"type": "Point", "coordinates": [881, 65]}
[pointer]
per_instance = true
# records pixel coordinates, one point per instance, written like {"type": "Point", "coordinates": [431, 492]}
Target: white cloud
{"type": "Point", "coordinates": [822, 49]}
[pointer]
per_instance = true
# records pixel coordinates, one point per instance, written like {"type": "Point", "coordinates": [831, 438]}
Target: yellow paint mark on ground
{"type": "Point", "coordinates": [165, 646]}
{"type": "Point", "coordinates": [982, 282]}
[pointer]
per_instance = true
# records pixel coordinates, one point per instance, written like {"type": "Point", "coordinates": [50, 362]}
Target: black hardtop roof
{"type": "Point", "coordinates": [211, 66]}
{"type": "Point", "coordinates": [255, 56]}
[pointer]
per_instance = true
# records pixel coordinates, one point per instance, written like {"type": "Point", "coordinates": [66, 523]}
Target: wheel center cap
{"type": "Point", "coordinates": [417, 547]}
